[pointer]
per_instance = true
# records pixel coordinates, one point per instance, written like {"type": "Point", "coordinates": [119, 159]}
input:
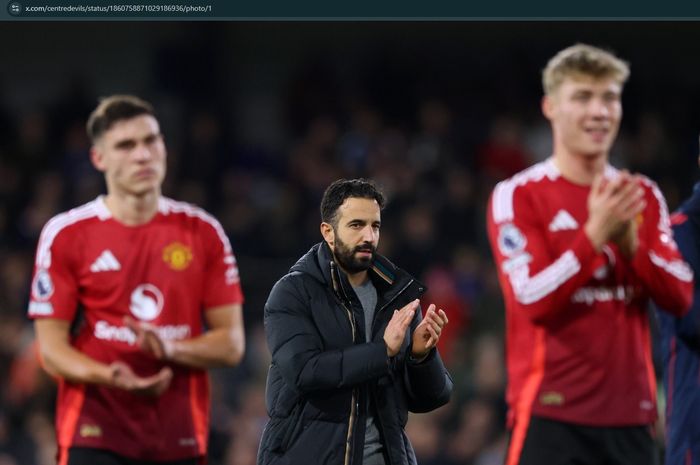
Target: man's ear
{"type": "Point", "coordinates": [96, 157]}
{"type": "Point", "coordinates": [328, 234]}
{"type": "Point", "coordinates": [547, 106]}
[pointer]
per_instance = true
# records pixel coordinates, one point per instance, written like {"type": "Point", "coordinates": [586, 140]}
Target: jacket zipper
{"type": "Point", "coordinates": [353, 400]}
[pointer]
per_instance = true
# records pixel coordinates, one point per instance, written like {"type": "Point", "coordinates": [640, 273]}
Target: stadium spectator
{"type": "Point", "coordinates": [121, 287]}
{"type": "Point", "coordinates": [581, 247]}
{"type": "Point", "coordinates": [345, 370]}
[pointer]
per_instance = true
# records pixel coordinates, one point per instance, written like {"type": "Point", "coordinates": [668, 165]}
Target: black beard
{"type": "Point", "coordinates": [347, 260]}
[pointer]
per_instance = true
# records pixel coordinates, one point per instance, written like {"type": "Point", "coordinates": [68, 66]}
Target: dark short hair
{"type": "Point", "coordinates": [115, 108]}
{"type": "Point", "coordinates": [342, 189]}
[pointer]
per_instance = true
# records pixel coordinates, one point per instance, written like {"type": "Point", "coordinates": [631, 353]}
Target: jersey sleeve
{"type": "Point", "coordinates": [538, 282]}
{"type": "Point", "coordinates": [657, 262]}
{"type": "Point", "coordinates": [688, 327]}
{"type": "Point", "coordinates": [222, 284]}
{"type": "Point", "coordinates": [54, 290]}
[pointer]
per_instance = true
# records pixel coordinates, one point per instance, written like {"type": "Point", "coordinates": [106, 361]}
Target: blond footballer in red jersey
{"type": "Point", "coordinates": [581, 247]}
{"type": "Point", "coordinates": [137, 274]}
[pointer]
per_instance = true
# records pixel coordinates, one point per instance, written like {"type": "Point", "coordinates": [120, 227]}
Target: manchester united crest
{"type": "Point", "coordinates": [177, 255]}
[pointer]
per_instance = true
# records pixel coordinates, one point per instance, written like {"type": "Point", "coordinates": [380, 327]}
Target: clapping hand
{"type": "Point", "coordinates": [427, 333]}
{"type": "Point", "coordinates": [395, 331]}
{"type": "Point", "coordinates": [123, 377]}
{"type": "Point", "coordinates": [148, 339]}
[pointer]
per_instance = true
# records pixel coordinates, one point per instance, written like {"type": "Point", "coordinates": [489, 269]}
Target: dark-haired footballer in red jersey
{"type": "Point", "coordinates": [123, 289]}
{"type": "Point", "coordinates": [581, 248]}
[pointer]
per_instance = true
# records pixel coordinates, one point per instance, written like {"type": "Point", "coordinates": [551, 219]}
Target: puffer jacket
{"type": "Point", "coordinates": [323, 372]}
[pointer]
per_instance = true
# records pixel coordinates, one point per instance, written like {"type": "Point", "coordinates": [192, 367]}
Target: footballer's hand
{"type": "Point", "coordinates": [395, 331]}
{"type": "Point", "coordinates": [148, 339]}
{"type": "Point", "coordinates": [612, 204]}
{"type": "Point", "coordinates": [123, 377]}
{"type": "Point", "coordinates": [627, 239]}
{"type": "Point", "coordinates": [427, 333]}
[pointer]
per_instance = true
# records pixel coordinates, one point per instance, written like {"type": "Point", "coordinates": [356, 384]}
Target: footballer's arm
{"type": "Point", "coordinates": [61, 359]}
{"type": "Point", "coordinates": [222, 345]}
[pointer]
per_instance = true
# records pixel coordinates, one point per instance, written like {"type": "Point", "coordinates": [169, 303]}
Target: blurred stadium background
{"type": "Point", "coordinates": [260, 117]}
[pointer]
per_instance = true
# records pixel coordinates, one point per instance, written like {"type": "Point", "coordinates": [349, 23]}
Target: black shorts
{"type": "Point", "coordinates": [90, 456]}
{"type": "Point", "coordinates": [554, 442]}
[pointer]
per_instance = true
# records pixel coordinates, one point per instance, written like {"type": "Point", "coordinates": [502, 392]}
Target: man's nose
{"type": "Point", "coordinates": [369, 234]}
{"type": "Point", "coordinates": [599, 108]}
{"type": "Point", "coordinates": [142, 152]}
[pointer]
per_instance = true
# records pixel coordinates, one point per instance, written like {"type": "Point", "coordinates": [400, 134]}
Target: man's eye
{"type": "Point", "coordinates": [126, 146]}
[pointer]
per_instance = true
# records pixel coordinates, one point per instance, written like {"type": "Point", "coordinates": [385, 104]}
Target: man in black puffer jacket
{"type": "Point", "coordinates": [351, 354]}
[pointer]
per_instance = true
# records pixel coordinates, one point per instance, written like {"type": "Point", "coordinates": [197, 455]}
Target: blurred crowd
{"type": "Point", "coordinates": [436, 159]}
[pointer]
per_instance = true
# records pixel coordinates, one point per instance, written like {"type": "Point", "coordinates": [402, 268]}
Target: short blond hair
{"type": "Point", "coordinates": [583, 60]}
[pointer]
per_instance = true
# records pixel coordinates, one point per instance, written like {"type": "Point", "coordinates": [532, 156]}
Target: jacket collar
{"type": "Point", "coordinates": [320, 263]}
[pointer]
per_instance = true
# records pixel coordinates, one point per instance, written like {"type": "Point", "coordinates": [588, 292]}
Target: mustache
{"type": "Point", "coordinates": [365, 248]}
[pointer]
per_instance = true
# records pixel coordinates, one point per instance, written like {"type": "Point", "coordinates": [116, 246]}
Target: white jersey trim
{"type": "Point", "coordinates": [677, 268]}
{"type": "Point", "coordinates": [664, 219]}
{"type": "Point", "coordinates": [167, 206]}
{"type": "Point", "coordinates": [503, 192]}
{"type": "Point", "coordinates": [529, 290]}
{"type": "Point", "coordinates": [61, 221]}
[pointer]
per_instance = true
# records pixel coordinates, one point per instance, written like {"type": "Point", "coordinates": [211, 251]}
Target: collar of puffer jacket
{"type": "Point", "coordinates": [320, 263]}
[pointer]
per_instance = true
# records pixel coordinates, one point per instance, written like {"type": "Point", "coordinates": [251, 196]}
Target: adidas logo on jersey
{"type": "Point", "coordinates": [105, 262]}
{"type": "Point", "coordinates": [563, 221]}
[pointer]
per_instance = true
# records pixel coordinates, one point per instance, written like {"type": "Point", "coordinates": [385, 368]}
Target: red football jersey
{"type": "Point", "coordinates": [166, 272]}
{"type": "Point", "coordinates": [577, 337]}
